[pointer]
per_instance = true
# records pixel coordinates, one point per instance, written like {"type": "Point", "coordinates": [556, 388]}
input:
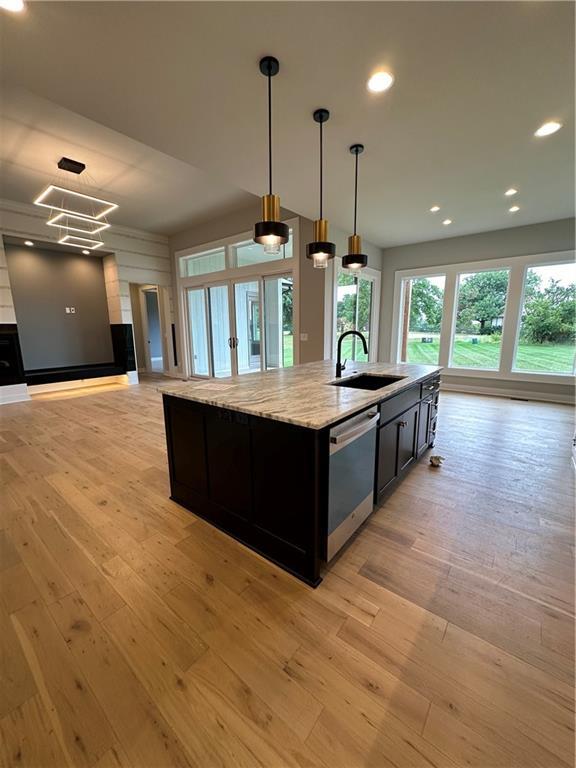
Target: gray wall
{"type": "Point", "coordinates": [501, 243]}
{"type": "Point", "coordinates": [44, 283]}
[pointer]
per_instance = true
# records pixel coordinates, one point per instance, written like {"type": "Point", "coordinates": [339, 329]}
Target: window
{"type": "Point", "coordinates": [546, 340]}
{"type": "Point", "coordinates": [198, 331]}
{"type": "Point", "coordinates": [278, 321]}
{"type": "Point", "coordinates": [203, 263]}
{"type": "Point", "coordinates": [422, 319]}
{"type": "Point", "coordinates": [479, 319]}
{"type": "Point", "coordinates": [354, 304]}
{"type": "Point", "coordinates": [248, 252]}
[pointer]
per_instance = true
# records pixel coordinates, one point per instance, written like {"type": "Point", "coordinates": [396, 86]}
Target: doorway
{"type": "Point", "coordinates": [148, 324]}
{"type": "Point", "coordinates": [240, 326]}
{"type": "Point", "coordinates": [152, 331]}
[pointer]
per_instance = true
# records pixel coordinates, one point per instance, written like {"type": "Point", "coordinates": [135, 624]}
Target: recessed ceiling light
{"type": "Point", "coordinates": [12, 5]}
{"type": "Point", "coordinates": [446, 222]}
{"type": "Point", "coordinates": [510, 192]}
{"type": "Point", "coordinates": [514, 208]}
{"type": "Point", "coordinates": [435, 209]}
{"type": "Point", "coordinates": [29, 243]}
{"type": "Point", "coordinates": [548, 128]}
{"type": "Point", "coordinates": [380, 81]}
{"type": "Point", "coordinates": [85, 252]}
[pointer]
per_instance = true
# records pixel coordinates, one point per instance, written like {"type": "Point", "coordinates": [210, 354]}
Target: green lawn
{"type": "Point", "coordinates": [556, 358]}
{"type": "Point", "coordinates": [346, 350]}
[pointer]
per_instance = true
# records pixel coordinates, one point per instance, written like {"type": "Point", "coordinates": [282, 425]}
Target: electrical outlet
{"type": "Point", "coordinates": [73, 310]}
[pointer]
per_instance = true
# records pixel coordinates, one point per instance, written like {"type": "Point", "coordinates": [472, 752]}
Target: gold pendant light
{"type": "Point", "coordinates": [270, 232]}
{"type": "Point", "coordinates": [355, 259]}
{"type": "Point", "coordinates": [321, 251]}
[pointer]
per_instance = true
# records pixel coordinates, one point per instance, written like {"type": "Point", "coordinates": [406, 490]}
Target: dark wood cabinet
{"type": "Point", "coordinates": [229, 460]}
{"type": "Point", "coordinates": [407, 438]}
{"type": "Point", "coordinates": [387, 462]}
{"type": "Point", "coordinates": [424, 424]}
{"type": "Point", "coordinates": [258, 479]}
{"type": "Point", "coordinates": [407, 429]}
{"type": "Point", "coordinates": [266, 482]}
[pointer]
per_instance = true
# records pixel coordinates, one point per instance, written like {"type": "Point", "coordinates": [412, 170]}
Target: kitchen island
{"type": "Point", "coordinates": [291, 461]}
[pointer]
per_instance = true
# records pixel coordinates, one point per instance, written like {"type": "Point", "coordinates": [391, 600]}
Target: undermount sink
{"type": "Point", "coordinates": [366, 381]}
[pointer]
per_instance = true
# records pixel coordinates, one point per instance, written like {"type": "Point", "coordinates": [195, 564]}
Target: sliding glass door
{"type": "Point", "coordinates": [240, 326]}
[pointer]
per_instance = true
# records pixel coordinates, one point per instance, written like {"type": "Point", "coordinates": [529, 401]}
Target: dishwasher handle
{"type": "Point", "coordinates": [357, 431]}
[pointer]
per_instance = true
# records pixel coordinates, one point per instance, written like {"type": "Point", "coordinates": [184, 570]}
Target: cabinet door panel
{"type": "Point", "coordinates": [229, 462]}
{"type": "Point", "coordinates": [387, 454]}
{"type": "Point", "coordinates": [407, 438]}
{"type": "Point", "coordinates": [188, 448]}
{"type": "Point", "coordinates": [424, 419]}
{"type": "Point", "coordinates": [284, 481]}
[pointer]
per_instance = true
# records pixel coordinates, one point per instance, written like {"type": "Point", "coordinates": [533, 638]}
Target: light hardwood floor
{"type": "Point", "coordinates": [136, 635]}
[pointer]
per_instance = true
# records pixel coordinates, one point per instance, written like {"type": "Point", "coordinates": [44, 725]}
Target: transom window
{"type": "Point", "coordinates": [233, 255]}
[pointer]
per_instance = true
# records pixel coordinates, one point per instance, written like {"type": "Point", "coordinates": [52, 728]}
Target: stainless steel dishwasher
{"type": "Point", "coordinates": [351, 477]}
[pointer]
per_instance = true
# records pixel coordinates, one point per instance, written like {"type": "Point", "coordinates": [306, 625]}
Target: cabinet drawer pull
{"type": "Point", "coordinates": [402, 423]}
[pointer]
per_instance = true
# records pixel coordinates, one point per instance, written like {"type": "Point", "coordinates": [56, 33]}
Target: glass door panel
{"type": "Point", "coordinates": [220, 330]}
{"type": "Point", "coordinates": [278, 321]}
{"type": "Point", "coordinates": [354, 297]}
{"type": "Point", "coordinates": [248, 328]}
{"type": "Point", "coordinates": [198, 332]}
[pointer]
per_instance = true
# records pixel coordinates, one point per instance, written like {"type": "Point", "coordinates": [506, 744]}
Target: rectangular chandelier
{"type": "Point", "coordinates": [75, 203]}
{"type": "Point", "coordinates": [81, 242]}
{"type": "Point", "coordinates": [75, 223]}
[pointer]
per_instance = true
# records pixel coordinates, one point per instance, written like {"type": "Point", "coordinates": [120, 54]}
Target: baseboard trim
{"type": "Point", "coordinates": [14, 393]}
{"type": "Point", "coordinates": [510, 394]}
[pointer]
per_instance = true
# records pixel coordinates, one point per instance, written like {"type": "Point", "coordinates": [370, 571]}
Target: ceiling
{"type": "Point", "coordinates": [154, 192]}
{"type": "Point", "coordinates": [473, 82]}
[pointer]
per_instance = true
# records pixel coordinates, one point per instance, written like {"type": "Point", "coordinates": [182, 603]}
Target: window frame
{"type": "Point", "coordinates": [229, 275]}
{"type": "Point", "coordinates": [375, 276]}
{"type": "Point", "coordinates": [518, 267]}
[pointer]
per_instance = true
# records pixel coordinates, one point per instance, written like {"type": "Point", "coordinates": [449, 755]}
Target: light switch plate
{"type": "Point", "coordinates": [303, 337]}
{"type": "Point", "coordinates": [67, 310]}
{"type": "Point", "coordinates": [73, 310]}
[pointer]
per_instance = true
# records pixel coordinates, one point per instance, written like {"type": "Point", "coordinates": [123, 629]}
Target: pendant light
{"type": "Point", "coordinates": [354, 259]}
{"type": "Point", "coordinates": [270, 232]}
{"type": "Point", "coordinates": [321, 251]}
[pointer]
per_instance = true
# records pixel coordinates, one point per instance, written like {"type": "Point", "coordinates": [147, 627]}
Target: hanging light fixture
{"type": "Point", "coordinates": [321, 251]}
{"type": "Point", "coordinates": [354, 259]}
{"type": "Point", "coordinates": [78, 216]}
{"type": "Point", "coordinates": [270, 232]}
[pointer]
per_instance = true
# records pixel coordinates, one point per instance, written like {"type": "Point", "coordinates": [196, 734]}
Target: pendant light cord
{"type": "Point", "coordinates": [270, 133]}
{"type": "Point", "coordinates": [356, 194]}
{"type": "Point", "coordinates": [321, 168]}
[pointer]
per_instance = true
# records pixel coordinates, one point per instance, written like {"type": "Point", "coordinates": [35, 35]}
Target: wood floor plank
{"type": "Point", "coordinates": [27, 738]}
{"type": "Point", "coordinates": [443, 634]}
{"type": "Point", "coordinates": [82, 728]}
{"type": "Point", "coordinates": [142, 731]}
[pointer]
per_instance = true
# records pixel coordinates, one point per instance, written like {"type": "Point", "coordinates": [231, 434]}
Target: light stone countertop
{"type": "Point", "coordinates": [300, 395]}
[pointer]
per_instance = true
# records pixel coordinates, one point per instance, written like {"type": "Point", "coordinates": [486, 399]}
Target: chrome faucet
{"type": "Point", "coordinates": [341, 366]}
